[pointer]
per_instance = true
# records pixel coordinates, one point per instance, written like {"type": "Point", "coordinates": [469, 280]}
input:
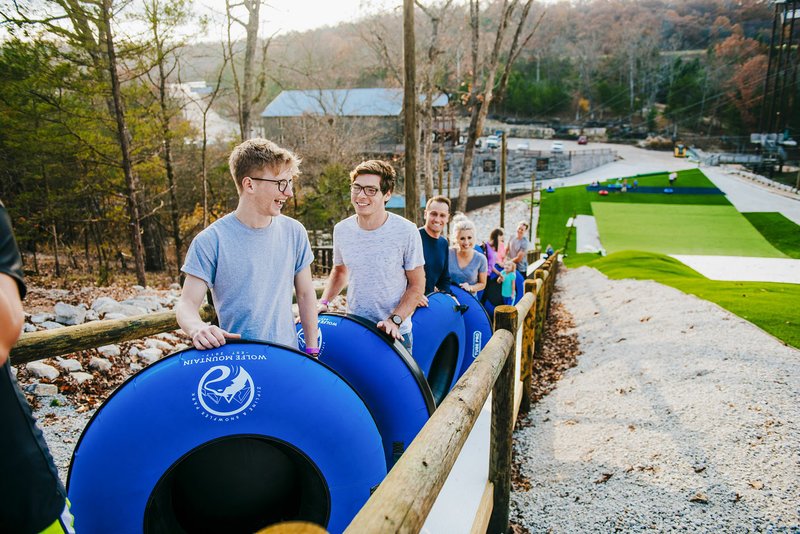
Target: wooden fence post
{"type": "Point", "coordinates": [505, 317]}
{"type": "Point", "coordinates": [541, 299]}
{"type": "Point", "coordinates": [528, 343]}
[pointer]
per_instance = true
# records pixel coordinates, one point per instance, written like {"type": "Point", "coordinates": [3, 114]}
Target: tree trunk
{"type": "Point", "coordinates": [167, 134]}
{"type": "Point", "coordinates": [131, 180]}
{"type": "Point", "coordinates": [153, 243]}
{"type": "Point", "coordinates": [410, 113]}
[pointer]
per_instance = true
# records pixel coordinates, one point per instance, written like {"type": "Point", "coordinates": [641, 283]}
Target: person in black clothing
{"type": "Point", "coordinates": [33, 498]}
{"type": "Point", "coordinates": [435, 247]}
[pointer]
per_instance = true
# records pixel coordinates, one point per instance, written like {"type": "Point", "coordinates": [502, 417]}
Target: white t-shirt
{"type": "Point", "coordinates": [377, 261]}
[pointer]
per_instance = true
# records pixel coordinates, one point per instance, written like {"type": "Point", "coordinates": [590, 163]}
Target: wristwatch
{"type": "Point", "coordinates": [396, 319]}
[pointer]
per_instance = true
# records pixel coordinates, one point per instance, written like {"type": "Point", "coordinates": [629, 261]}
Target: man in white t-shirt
{"type": "Point", "coordinates": [378, 255]}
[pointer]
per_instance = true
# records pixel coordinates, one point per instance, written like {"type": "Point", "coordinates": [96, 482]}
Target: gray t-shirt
{"type": "Point", "coordinates": [377, 261]}
{"type": "Point", "coordinates": [468, 274]}
{"type": "Point", "coordinates": [250, 272]}
{"type": "Point", "coordinates": [514, 246]}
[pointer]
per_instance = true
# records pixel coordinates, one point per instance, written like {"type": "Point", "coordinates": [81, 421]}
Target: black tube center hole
{"type": "Point", "coordinates": [237, 484]}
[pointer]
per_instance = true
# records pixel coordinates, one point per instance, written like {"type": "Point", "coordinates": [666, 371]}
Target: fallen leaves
{"type": "Point", "coordinates": [605, 477]}
{"type": "Point", "coordinates": [559, 351]}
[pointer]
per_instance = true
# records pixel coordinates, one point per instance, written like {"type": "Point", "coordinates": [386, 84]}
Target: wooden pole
{"type": "Point", "coordinates": [410, 113]}
{"type": "Point", "coordinates": [533, 199]}
{"type": "Point", "coordinates": [503, 153]}
{"type": "Point", "coordinates": [528, 336]}
{"type": "Point", "coordinates": [50, 343]}
{"type": "Point", "coordinates": [537, 341]}
{"type": "Point", "coordinates": [505, 318]}
{"type": "Point", "coordinates": [441, 168]}
{"type": "Point", "coordinates": [448, 196]}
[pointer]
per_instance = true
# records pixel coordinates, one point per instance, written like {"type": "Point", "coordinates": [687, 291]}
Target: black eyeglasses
{"type": "Point", "coordinates": [368, 190]}
{"type": "Point", "coordinates": [282, 184]}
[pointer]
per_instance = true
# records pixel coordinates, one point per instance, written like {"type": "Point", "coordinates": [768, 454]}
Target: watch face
{"type": "Point", "coordinates": [396, 319]}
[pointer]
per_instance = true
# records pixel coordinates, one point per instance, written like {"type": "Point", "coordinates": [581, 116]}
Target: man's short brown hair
{"type": "Point", "coordinates": [257, 154]}
{"type": "Point", "coordinates": [438, 198]}
{"type": "Point", "coordinates": [379, 168]}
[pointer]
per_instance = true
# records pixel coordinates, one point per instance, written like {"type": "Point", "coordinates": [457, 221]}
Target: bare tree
{"type": "Point", "coordinates": [482, 90]}
{"type": "Point", "coordinates": [163, 17]}
{"type": "Point", "coordinates": [433, 55]}
{"type": "Point", "coordinates": [204, 149]}
{"type": "Point", "coordinates": [249, 86]}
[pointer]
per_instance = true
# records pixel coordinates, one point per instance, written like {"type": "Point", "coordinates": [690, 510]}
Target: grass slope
{"type": "Point", "coordinates": [778, 230]}
{"type": "Point", "coordinates": [771, 306]}
{"type": "Point", "coordinates": [566, 202]}
{"type": "Point", "coordinates": [676, 229]}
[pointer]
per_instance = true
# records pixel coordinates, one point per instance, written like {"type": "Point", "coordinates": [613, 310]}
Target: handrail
{"type": "Point", "coordinates": [50, 343]}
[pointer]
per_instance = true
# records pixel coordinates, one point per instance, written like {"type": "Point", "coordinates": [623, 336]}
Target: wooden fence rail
{"type": "Point", "coordinates": [50, 343]}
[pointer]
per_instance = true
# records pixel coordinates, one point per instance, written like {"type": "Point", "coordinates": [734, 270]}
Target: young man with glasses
{"type": "Point", "coordinates": [250, 259]}
{"type": "Point", "coordinates": [378, 255]}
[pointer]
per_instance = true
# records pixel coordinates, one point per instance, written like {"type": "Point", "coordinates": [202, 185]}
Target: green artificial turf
{"type": "Point", "coordinates": [565, 202]}
{"type": "Point", "coordinates": [679, 229]}
{"type": "Point", "coordinates": [778, 230]}
{"type": "Point", "coordinates": [771, 306]}
{"type": "Point", "coordinates": [554, 211]}
{"type": "Point", "coordinates": [687, 178]}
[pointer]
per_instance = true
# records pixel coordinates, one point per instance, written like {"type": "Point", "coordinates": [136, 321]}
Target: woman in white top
{"type": "Point", "coordinates": [467, 266]}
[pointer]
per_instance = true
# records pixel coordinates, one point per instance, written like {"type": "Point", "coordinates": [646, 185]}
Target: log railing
{"type": "Point", "coordinates": [51, 343]}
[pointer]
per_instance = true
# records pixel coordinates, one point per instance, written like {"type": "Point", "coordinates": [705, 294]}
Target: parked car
{"type": "Point", "coordinates": [557, 147]}
{"type": "Point", "coordinates": [583, 140]}
{"type": "Point", "coordinates": [493, 141]}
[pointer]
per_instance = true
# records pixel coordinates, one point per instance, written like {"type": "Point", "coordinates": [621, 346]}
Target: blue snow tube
{"type": "Point", "coordinates": [382, 372]}
{"type": "Point", "coordinates": [491, 297]}
{"type": "Point", "coordinates": [477, 327]}
{"type": "Point", "coordinates": [226, 440]}
{"type": "Point", "coordinates": [438, 331]}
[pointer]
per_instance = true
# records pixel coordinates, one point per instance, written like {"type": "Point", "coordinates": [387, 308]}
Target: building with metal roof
{"type": "Point", "coordinates": [373, 102]}
{"type": "Point", "coordinates": [294, 115]}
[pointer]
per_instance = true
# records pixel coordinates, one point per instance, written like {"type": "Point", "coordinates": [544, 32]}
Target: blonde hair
{"type": "Point", "coordinates": [257, 154]}
{"type": "Point", "coordinates": [461, 224]}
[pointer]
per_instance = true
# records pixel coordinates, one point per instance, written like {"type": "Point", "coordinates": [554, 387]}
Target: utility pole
{"type": "Point", "coordinates": [533, 194]}
{"type": "Point", "coordinates": [410, 113]}
{"type": "Point", "coordinates": [503, 149]}
{"type": "Point", "coordinates": [441, 168]}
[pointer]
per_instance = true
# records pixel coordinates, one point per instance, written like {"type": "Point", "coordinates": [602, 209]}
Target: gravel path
{"type": "Point", "coordinates": [679, 416]}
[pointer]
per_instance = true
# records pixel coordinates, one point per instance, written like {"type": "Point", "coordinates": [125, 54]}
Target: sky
{"type": "Point", "coordinates": [284, 16]}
